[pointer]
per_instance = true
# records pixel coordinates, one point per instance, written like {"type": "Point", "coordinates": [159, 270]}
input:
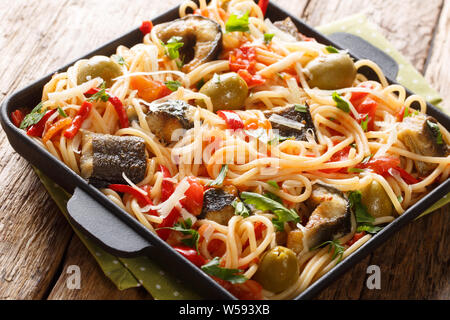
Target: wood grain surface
{"type": "Point", "coordinates": [36, 243]}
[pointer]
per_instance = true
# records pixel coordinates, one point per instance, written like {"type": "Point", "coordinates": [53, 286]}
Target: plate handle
{"type": "Point", "coordinates": [107, 230]}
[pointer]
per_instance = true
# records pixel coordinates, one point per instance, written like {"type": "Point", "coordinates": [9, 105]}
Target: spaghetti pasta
{"type": "Point", "coordinates": [278, 190]}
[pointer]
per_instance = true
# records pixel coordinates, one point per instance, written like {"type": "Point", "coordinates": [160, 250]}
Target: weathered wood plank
{"type": "Point", "coordinates": [93, 284]}
{"type": "Point", "coordinates": [408, 24]}
{"type": "Point", "coordinates": [437, 71]}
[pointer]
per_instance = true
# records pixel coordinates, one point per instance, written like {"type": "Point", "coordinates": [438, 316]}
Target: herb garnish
{"type": "Point", "coordinates": [363, 218]}
{"type": "Point", "coordinates": [120, 60]}
{"type": "Point", "coordinates": [240, 209]}
{"type": "Point", "coordinates": [331, 49]}
{"type": "Point", "coordinates": [33, 117]}
{"type": "Point", "coordinates": [341, 103]}
{"type": "Point", "coordinates": [212, 268]}
{"type": "Point", "coordinates": [338, 249]}
{"type": "Point", "coordinates": [300, 108]}
{"type": "Point", "coordinates": [172, 46]}
{"type": "Point", "coordinates": [101, 95]}
{"type": "Point", "coordinates": [237, 23]}
{"type": "Point", "coordinates": [172, 85]}
{"type": "Point", "coordinates": [437, 132]}
{"type": "Point", "coordinates": [61, 112]}
{"type": "Point", "coordinates": [185, 228]}
{"type": "Point", "coordinates": [268, 37]}
{"type": "Point", "coordinates": [265, 203]}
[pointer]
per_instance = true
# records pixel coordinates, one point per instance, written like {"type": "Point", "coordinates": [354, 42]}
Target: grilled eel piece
{"type": "Point", "coordinates": [421, 135]}
{"type": "Point", "coordinates": [105, 157]}
{"type": "Point", "coordinates": [168, 120]}
{"type": "Point", "coordinates": [292, 121]}
{"type": "Point", "coordinates": [217, 204]}
{"type": "Point", "coordinates": [331, 219]}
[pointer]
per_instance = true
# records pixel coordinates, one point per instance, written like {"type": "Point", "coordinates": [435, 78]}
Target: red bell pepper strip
{"type": "Point", "coordinates": [191, 254]}
{"type": "Point", "coordinates": [194, 197]}
{"type": "Point", "coordinates": [146, 27]}
{"type": "Point", "coordinates": [37, 129]}
{"type": "Point", "coordinates": [409, 179]}
{"type": "Point", "coordinates": [118, 106]}
{"type": "Point", "coordinates": [355, 238]}
{"type": "Point", "coordinates": [82, 114]}
{"type": "Point", "coordinates": [263, 5]}
{"type": "Point", "coordinates": [167, 187]}
{"type": "Point", "coordinates": [341, 155]}
{"type": "Point", "coordinates": [17, 117]}
{"type": "Point", "coordinates": [167, 222]}
{"type": "Point", "coordinates": [232, 119]}
{"type": "Point", "coordinates": [380, 165]}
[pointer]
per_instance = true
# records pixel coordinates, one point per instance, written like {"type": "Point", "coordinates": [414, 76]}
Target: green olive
{"type": "Point", "coordinates": [278, 269]}
{"type": "Point", "coordinates": [332, 71]}
{"type": "Point", "coordinates": [375, 198]}
{"type": "Point", "coordinates": [99, 66]}
{"type": "Point", "coordinates": [227, 91]}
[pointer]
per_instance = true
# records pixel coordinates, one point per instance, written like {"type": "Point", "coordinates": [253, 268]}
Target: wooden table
{"type": "Point", "coordinates": [37, 244]}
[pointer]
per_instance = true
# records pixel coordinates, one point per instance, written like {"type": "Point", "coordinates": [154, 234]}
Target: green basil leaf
{"type": "Point", "coordinates": [212, 268]}
{"type": "Point", "coordinates": [365, 123]}
{"type": "Point", "coordinates": [265, 203]}
{"type": "Point", "coordinates": [102, 95]}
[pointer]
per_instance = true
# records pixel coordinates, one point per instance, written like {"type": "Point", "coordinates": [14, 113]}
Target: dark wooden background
{"type": "Point", "coordinates": [37, 244]}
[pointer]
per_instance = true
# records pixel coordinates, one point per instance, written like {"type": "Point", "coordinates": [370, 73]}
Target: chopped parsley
{"type": "Point", "coordinates": [268, 37]}
{"type": "Point", "coordinates": [341, 102]}
{"type": "Point", "coordinates": [172, 46]}
{"type": "Point", "coordinates": [212, 268]}
{"type": "Point", "coordinates": [331, 49]}
{"type": "Point", "coordinates": [336, 246]}
{"type": "Point", "coordinates": [172, 85]}
{"type": "Point", "coordinates": [273, 184]}
{"type": "Point", "coordinates": [363, 218]}
{"type": "Point", "coordinates": [239, 208]}
{"type": "Point", "coordinates": [185, 228]}
{"type": "Point", "coordinates": [436, 131]}
{"type": "Point", "coordinates": [237, 23]}
{"type": "Point", "coordinates": [61, 112]}
{"type": "Point", "coordinates": [301, 108]}
{"type": "Point", "coordinates": [120, 60]}
{"type": "Point", "coordinates": [33, 117]}
{"type": "Point", "coordinates": [364, 123]}
{"type": "Point", "coordinates": [101, 95]}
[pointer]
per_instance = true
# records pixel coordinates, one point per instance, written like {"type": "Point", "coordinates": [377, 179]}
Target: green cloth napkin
{"type": "Point", "coordinates": [134, 272]}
